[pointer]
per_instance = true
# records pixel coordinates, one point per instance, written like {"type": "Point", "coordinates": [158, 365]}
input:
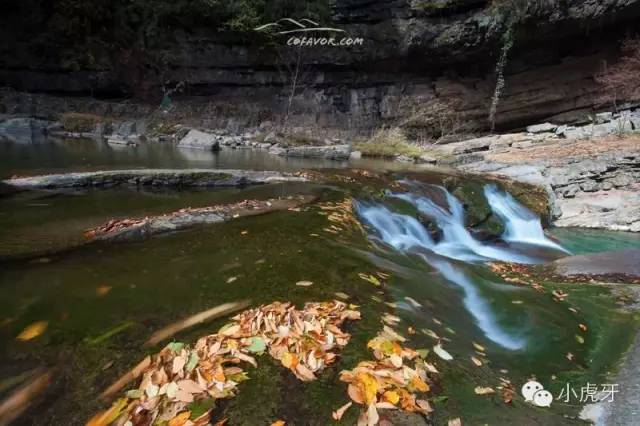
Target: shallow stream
{"type": "Point", "coordinates": [101, 301]}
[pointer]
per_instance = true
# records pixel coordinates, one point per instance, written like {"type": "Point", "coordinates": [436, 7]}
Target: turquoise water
{"type": "Point", "coordinates": [583, 241]}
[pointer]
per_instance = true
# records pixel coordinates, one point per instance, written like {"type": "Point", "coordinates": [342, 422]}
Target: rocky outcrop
{"type": "Point", "coordinates": [437, 56]}
{"type": "Point", "coordinates": [152, 177]}
{"type": "Point", "coordinates": [592, 182]}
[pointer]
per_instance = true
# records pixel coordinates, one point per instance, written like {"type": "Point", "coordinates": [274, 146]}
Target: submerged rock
{"type": "Point", "coordinates": [152, 177]}
{"type": "Point", "coordinates": [136, 229]}
{"type": "Point", "coordinates": [617, 263]}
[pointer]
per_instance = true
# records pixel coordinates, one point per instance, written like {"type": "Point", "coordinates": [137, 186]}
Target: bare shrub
{"type": "Point", "coordinates": [388, 142]}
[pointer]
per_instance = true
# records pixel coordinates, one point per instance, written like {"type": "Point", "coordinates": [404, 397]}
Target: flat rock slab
{"type": "Point", "coordinates": [331, 152]}
{"type": "Point", "coordinates": [153, 177]}
{"type": "Point", "coordinates": [625, 262]}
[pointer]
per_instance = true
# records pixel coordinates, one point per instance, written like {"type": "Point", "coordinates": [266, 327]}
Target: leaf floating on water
{"type": "Point", "coordinates": [442, 353]}
{"type": "Point", "coordinates": [517, 302]}
{"type": "Point", "coordinates": [430, 333]}
{"type": "Point", "coordinates": [455, 422]}
{"type": "Point", "coordinates": [103, 290]}
{"type": "Point", "coordinates": [423, 353]}
{"type": "Point", "coordinates": [33, 330]}
{"type": "Point", "coordinates": [341, 295]}
{"type": "Point", "coordinates": [413, 302]}
{"type": "Point", "coordinates": [583, 327]}
{"type": "Point", "coordinates": [109, 333]}
{"type": "Point", "coordinates": [476, 361]}
{"type": "Point", "coordinates": [370, 278]}
{"type": "Point", "coordinates": [304, 283]}
{"type": "Point", "coordinates": [337, 415]}
{"type": "Point", "coordinates": [478, 346]}
{"type": "Point", "coordinates": [245, 232]}
{"type": "Point", "coordinates": [569, 356]}
{"type": "Point", "coordinates": [231, 279]}
{"type": "Point", "coordinates": [579, 339]}
{"type": "Point", "coordinates": [479, 390]}
{"type": "Point", "coordinates": [278, 423]}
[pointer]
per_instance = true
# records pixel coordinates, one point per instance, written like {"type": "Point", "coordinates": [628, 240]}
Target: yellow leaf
{"type": "Point", "coordinates": [289, 360]}
{"type": "Point", "coordinates": [103, 290]}
{"type": "Point", "coordinates": [33, 330]}
{"type": "Point", "coordinates": [391, 396]}
{"type": "Point", "coordinates": [278, 423]}
{"type": "Point", "coordinates": [180, 419]}
{"type": "Point", "coordinates": [419, 384]}
{"type": "Point", "coordinates": [369, 387]}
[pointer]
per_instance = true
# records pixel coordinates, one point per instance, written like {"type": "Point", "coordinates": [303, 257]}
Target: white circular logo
{"type": "Point", "coordinates": [534, 393]}
{"type": "Point", "coordinates": [543, 398]}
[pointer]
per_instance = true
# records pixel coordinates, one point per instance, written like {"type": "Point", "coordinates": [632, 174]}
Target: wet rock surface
{"type": "Point", "coordinates": [137, 229]}
{"type": "Point", "coordinates": [624, 262]}
{"type": "Point", "coordinates": [152, 177]}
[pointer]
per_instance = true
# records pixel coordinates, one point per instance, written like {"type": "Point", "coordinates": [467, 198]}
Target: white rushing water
{"type": "Point", "coordinates": [408, 235]}
{"type": "Point", "coordinates": [520, 224]}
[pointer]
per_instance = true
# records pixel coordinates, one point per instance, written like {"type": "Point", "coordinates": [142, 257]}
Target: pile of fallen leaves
{"type": "Point", "coordinates": [389, 382]}
{"type": "Point", "coordinates": [181, 384]}
{"type": "Point", "coordinates": [116, 225]}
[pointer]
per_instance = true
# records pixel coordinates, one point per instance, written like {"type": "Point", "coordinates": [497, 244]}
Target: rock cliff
{"type": "Point", "coordinates": [430, 64]}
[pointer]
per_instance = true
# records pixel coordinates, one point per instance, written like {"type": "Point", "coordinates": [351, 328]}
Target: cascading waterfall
{"type": "Point", "coordinates": [408, 235]}
{"type": "Point", "coordinates": [520, 224]}
{"type": "Point", "coordinates": [457, 242]}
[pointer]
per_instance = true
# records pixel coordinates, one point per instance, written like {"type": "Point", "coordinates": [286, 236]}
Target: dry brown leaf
{"type": "Point", "coordinates": [337, 415]}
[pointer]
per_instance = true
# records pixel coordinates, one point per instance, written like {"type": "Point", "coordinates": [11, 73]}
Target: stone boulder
{"type": "Point", "coordinates": [196, 139]}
